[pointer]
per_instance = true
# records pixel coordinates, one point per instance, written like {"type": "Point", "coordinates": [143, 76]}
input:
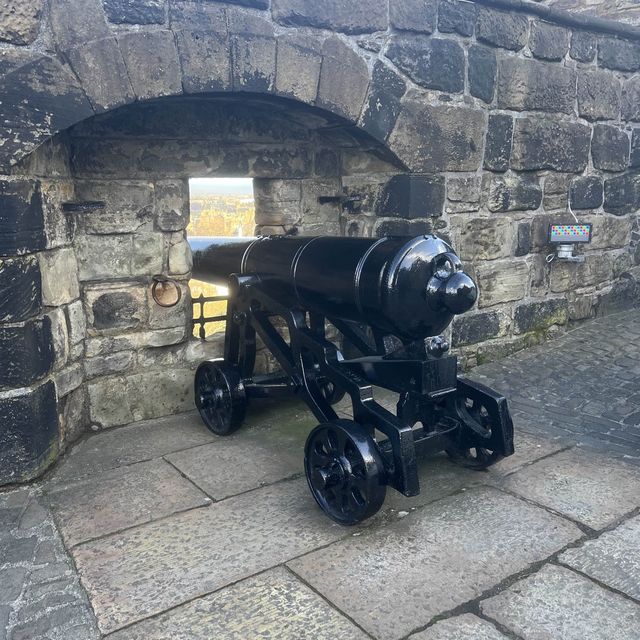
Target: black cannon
{"type": "Point", "coordinates": [342, 316]}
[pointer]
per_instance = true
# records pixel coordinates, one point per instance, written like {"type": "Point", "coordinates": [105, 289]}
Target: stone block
{"type": "Point", "coordinates": [456, 17]}
{"type": "Point", "coordinates": [506, 30]}
{"type": "Point", "coordinates": [612, 559]}
{"type": "Point", "coordinates": [180, 259]}
{"type": "Point", "coordinates": [364, 17]}
{"type": "Point", "coordinates": [610, 148]}
{"type": "Point", "coordinates": [438, 138]}
{"type": "Point", "coordinates": [19, 21]}
{"type": "Point", "coordinates": [497, 154]}
{"type": "Point", "coordinates": [59, 336]}
{"type": "Point", "coordinates": [299, 60]}
{"type": "Point", "coordinates": [89, 23]}
{"type": "Point", "coordinates": [583, 46]}
{"type": "Point", "coordinates": [596, 268]}
{"type": "Point", "coordinates": [413, 15]}
{"type": "Point", "coordinates": [432, 63]}
{"type": "Point", "coordinates": [76, 322]}
{"type": "Point", "coordinates": [473, 328]}
{"type": "Point", "coordinates": [412, 196]}
{"type": "Point", "coordinates": [261, 602]}
{"type": "Point", "coordinates": [523, 239]}
{"type": "Point", "coordinates": [59, 269]}
{"type": "Point", "coordinates": [383, 103]}
{"type": "Point", "coordinates": [463, 194]}
{"type": "Point", "coordinates": [586, 192]}
{"type": "Point", "coordinates": [69, 379]}
{"type": "Point", "coordinates": [504, 281]}
{"type": "Point", "coordinates": [147, 258]}
{"type": "Point", "coordinates": [550, 143]}
{"type": "Point", "coordinates": [269, 526]}
{"type": "Point", "coordinates": [21, 217]}
{"type": "Point", "coordinates": [344, 80]}
{"type": "Point", "coordinates": [620, 55]}
{"type": "Point", "coordinates": [106, 365]}
{"type": "Point", "coordinates": [529, 85]}
{"type": "Point", "coordinates": [598, 95]}
{"type": "Point", "coordinates": [631, 99]}
{"type": "Point", "coordinates": [556, 191]}
{"type": "Point", "coordinates": [103, 74]}
{"type": "Point", "coordinates": [253, 52]}
{"type": "Point", "coordinates": [610, 232]}
{"type": "Point", "coordinates": [558, 603]}
{"type": "Point", "coordinates": [27, 353]}
{"type": "Point", "coordinates": [30, 433]}
{"type": "Point", "coordinates": [483, 238]}
{"type": "Point", "coordinates": [107, 402]}
{"type": "Point", "coordinates": [135, 12]}
{"type": "Point", "coordinates": [548, 41]}
{"type": "Point", "coordinates": [171, 204]}
{"type": "Point", "coordinates": [622, 194]}
{"type": "Point", "coordinates": [173, 317]}
{"type": "Point", "coordinates": [538, 316]}
{"type": "Point", "coordinates": [278, 202]}
{"type": "Point", "coordinates": [635, 149]}
{"type": "Point", "coordinates": [448, 531]}
{"type": "Point", "coordinates": [116, 308]}
{"type": "Point", "coordinates": [155, 76]}
{"type": "Point", "coordinates": [104, 257]}
{"type": "Point", "coordinates": [205, 59]}
{"type": "Point", "coordinates": [514, 193]}
{"type": "Point", "coordinates": [482, 72]}
{"type": "Point", "coordinates": [20, 289]}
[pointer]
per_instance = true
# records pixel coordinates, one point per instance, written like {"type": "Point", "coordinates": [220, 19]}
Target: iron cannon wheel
{"type": "Point", "coordinates": [220, 397]}
{"type": "Point", "coordinates": [345, 471]}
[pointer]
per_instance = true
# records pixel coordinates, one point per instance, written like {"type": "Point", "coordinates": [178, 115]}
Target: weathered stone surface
{"type": "Point", "coordinates": [483, 238]}
{"type": "Point", "coordinates": [610, 232]}
{"type": "Point", "coordinates": [120, 499]}
{"type": "Point", "coordinates": [180, 258]}
{"type": "Point", "coordinates": [586, 192]}
{"type": "Point", "coordinates": [413, 15]}
{"type": "Point", "coordinates": [105, 365]}
{"type": "Point", "coordinates": [116, 308]}
{"type": "Point", "coordinates": [299, 61]}
{"type": "Point", "coordinates": [613, 559]}
{"type": "Point", "coordinates": [621, 55]}
{"type": "Point", "coordinates": [474, 328]}
{"type": "Point", "coordinates": [383, 103]}
{"type": "Point", "coordinates": [21, 217]}
{"type": "Point", "coordinates": [549, 143]}
{"type": "Point", "coordinates": [502, 282]}
{"type": "Point", "coordinates": [412, 196]}
{"type": "Point", "coordinates": [482, 72]}
{"type": "Point", "coordinates": [622, 194]}
{"type": "Point", "coordinates": [631, 99]}
{"type": "Point", "coordinates": [456, 17]}
{"type": "Point", "coordinates": [463, 194]}
{"type": "Point", "coordinates": [447, 534]}
{"type": "Point", "coordinates": [529, 85]}
{"type": "Point", "coordinates": [344, 79]}
{"type": "Point", "coordinates": [558, 603]}
{"type": "Point", "coordinates": [536, 316]}
{"type": "Point", "coordinates": [610, 148]}
{"type": "Point", "coordinates": [556, 188]}
{"type": "Point", "coordinates": [548, 41]}
{"type": "Point", "coordinates": [152, 77]}
{"type": "Point", "coordinates": [104, 257]}
{"type": "Point", "coordinates": [135, 11]}
{"type": "Point", "coordinates": [523, 238]}
{"type": "Point", "coordinates": [507, 30]}
{"type": "Point", "coordinates": [514, 193]}
{"type": "Point", "coordinates": [254, 607]}
{"type": "Point", "coordinates": [253, 52]}
{"type": "Point", "coordinates": [583, 46]}
{"type": "Point", "coordinates": [460, 628]}
{"type": "Point", "coordinates": [438, 138]}
{"type": "Point", "coordinates": [635, 149]}
{"type": "Point", "coordinates": [363, 17]}
{"type": "Point", "coordinates": [127, 573]}
{"type": "Point", "coordinates": [20, 289]}
{"type": "Point", "coordinates": [434, 64]}
{"type": "Point", "coordinates": [594, 270]}
{"type": "Point", "coordinates": [598, 95]}
{"type": "Point", "coordinates": [19, 21]}
{"type": "Point", "coordinates": [497, 154]}
{"type": "Point", "coordinates": [59, 271]}
{"type": "Point", "coordinates": [171, 204]}
{"type": "Point", "coordinates": [89, 23]}
{"type": "Point", "coordinates": [205, 59]}
{"type": "Point", "coordinates": [586, 487]}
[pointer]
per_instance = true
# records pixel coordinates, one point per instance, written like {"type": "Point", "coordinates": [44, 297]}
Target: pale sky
{"type": "Point", "coordinates": [221, 186]}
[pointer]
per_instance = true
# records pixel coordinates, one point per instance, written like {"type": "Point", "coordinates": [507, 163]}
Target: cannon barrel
{"type": "Point", "coordinates": [408, 287]}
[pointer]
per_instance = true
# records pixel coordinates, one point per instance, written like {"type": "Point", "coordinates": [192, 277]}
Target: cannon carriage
{"type": "Point", "coordinates": [389, 300]}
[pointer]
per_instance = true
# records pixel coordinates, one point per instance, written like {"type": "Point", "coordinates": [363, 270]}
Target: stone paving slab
{"type": "Point", "coordinates": [465, 627]}
{"type": "Point", "coordinates": [134, 443]}
{"type": "Point", "coordinates": [271, 605]}
{"type": "Point", "coordinates": [143, 571]}
{"type": "Point", "coordinates": [613, 559]}
{"type": "Point", "coordinates": [558, 604]}
{"type": "Point", "coordinates": [587, 487]}
{"type": "Point", "coordinates": [398, 578]}
{"type": "Point", "coordinates": [121, 498]}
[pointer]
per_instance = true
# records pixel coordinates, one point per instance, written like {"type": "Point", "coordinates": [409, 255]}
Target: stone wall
{"type": "Point", "coordinates": [627, 11]}
{"type": "Point", "coordinates": [479, 120]}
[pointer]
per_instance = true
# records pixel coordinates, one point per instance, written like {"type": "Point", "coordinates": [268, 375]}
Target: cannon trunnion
{"type": "Point", "coordinates": [358, 313]}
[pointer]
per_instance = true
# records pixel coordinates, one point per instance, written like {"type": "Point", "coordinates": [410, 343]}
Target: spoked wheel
{"type": "Point", "coordinates": [332, 394]}
{"type": "Point", "coordinates": [468, 451]}
{"type": "Point", "coordinates": [345, 471]}
{"type": "Point", "coordinates": [220, 397]}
